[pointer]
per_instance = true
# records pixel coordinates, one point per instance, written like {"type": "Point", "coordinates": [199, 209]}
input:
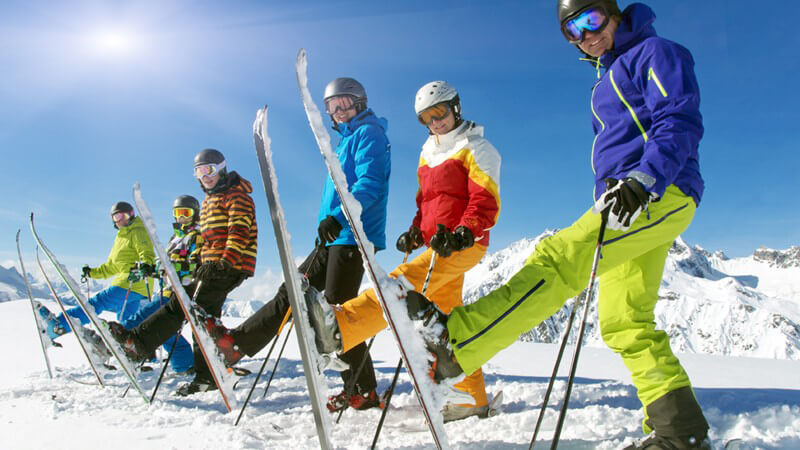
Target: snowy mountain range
{"type": "Point", "coordinates": [710, 303]}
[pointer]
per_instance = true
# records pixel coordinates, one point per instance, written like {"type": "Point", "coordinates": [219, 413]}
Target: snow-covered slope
{"type": "Point", "coordinates": [709, 304]}
{"type": "Point", "coordinates": [754, 399]}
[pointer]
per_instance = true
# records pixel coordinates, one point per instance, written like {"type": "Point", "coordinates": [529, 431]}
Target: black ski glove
{"type": "Point", "coordinates": [464, 237]}
{"type": "Point", "coordinates": [443, 242]}
{"type": "Point", "coordinates": [624, 200]}
{"type": "Point", "coordinates": [329, 229]}
{"type": "Point", "coordinates": [140, 271]}
{"type": "Point", "coordinates": [86, 272]}
{"type": "Point", "coordinates": [213, 270]}
{"type": "Point", "coordinates": [410, 240]}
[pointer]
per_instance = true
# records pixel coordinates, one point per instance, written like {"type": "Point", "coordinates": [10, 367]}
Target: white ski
{"type": "Point", "coordinates": [89, 343]}
{"type": "Point", "coordinates": [317, 387]}
{"type": "Point", "coordinates": [216, 362]}
{"type": "Point", "coordinates": [390, 292]}
{"type": "Point", "coordinates": [100, 325]}
{"type": "Point", "coordinates": [40, 326]}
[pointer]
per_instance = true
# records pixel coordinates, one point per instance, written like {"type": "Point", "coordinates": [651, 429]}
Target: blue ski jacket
{"type": "Point", "coordinates": [364, 153]}
{"type": "Point", "coordinates": [645, 107]}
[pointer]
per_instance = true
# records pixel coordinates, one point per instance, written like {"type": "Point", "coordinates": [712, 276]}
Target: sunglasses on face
{"type": "Point", "coordinates": [593, 19]}
{"type": "Point", "coordinates": [207, 170]}
{"type": "Point", "coordinates": [339, 103]}
{"type": "Point", "coordinates": [183, 212]}
{"type": "Point", "coordinates": [436, 112]}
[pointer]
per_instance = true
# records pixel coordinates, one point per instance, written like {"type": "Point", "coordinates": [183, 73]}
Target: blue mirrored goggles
{"type": "Point", "coordinates": [592, 19]}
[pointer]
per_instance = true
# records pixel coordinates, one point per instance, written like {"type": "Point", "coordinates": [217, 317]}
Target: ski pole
{"type": "Point", "coordinates": [174, 344]}
{"type": "Point", "coordinates": [400, 363]}
{"type": "Point", "coordinates": [260, 372]}
{"type": "Point", "coordinates": [277, 360]}
{"type": "Point", "coordinates": [574, 365]}
{"type": "Point", "coordinates": [386, 403]}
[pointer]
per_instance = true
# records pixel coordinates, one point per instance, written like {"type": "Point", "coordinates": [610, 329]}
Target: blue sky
{"type": "Point", "coordinates": [85, 114]}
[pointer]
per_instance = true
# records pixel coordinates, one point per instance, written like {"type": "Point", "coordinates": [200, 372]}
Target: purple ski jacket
{"type": "Point", "coordinates": [645, 108]}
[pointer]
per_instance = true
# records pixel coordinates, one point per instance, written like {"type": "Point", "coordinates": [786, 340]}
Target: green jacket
{"type": "Point", "coordinates": [131, 245]}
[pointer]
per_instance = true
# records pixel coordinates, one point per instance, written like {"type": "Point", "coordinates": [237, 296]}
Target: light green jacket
{"type": "Point", "coordinates": [131, 245]}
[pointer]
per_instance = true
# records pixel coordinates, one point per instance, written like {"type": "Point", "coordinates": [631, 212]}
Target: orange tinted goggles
{"type": "Point", "coordinates": [435, 112]}
{"type": "Point", "coordinates": [183, 212]}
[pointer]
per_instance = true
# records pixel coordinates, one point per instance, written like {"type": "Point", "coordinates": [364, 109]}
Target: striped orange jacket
{"type": "Point", "coordinates": [228, 226]}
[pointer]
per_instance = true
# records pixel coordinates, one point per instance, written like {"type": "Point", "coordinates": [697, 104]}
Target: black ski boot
{"type": "Point", "coordinates": [130, 343]}
{"type": "Point", "coordinates": [199, 384]}
{"type": "Point", "coordinates": [323, 321]}
{"type": "Point", "coordinates": [678, 423]}
{"type": "Point", "coordinates": [435, 335]}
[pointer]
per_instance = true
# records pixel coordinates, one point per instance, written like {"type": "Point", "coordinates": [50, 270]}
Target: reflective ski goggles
{"type": "Point", "coordinates": [207, 170]}
{"type": "Point", "coordinates": [183, 212]}
{"type": "Point", "coordinates": [592, 19]}
{"type": "Point", "coordinates": [438, 111]}
{"type": "Point", "coordinates": [339, 103]}
{"type": "Point", "coordinates": [118, 217]}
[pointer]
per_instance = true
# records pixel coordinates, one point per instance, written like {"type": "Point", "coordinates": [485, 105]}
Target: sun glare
{"type": "Point", "coordinates": [113, 42]}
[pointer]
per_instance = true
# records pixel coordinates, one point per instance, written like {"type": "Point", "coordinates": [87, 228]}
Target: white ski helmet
{"type": "Point", "coordinates": [437, 92]}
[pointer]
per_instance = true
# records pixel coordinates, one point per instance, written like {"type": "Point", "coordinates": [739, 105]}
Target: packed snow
{"type": "Point", "coordinates": [757, 400]}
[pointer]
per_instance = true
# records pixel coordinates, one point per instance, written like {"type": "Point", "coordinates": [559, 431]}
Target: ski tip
{"type": "Point", "coordinates": [31, 216]}
{"type": "Point", "coordinates": [301, 55]}
{"type": "Point", "coordinates": [18, 230]}
{"type": "Point", "coordinates": [136, 186]}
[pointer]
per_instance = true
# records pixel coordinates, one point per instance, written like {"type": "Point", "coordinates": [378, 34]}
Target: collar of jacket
{"type": "Point", "coordinates": [456, 139]}
{"type": "Point", "coordinates": [367, 116]}
{"type": "Point", "coordinates": [636, 26]}
{"type": "Point", "coordinates": [181, 229]}
{"type": "Point", "coordinates": [231, 180]}
{"type": "Point", "coordinates": [135, 222]}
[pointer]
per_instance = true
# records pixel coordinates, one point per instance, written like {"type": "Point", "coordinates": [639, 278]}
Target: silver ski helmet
{"type": "Point", "coordinates": [347, 86]}
{"type": "Point", "coordinates": [187, 201]}
{"type": "Point", "coordinates": [122, 207]}
{"type": "Point", "coordinates": [436, 92]}
{"type": "Point", "coordinates": [568, 9]}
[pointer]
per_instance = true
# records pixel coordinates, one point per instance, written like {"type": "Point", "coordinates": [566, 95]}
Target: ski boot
{"type": "Point", "coordinates": [198, 384]}
{"type": "Point", "coordinates": [130, 343]}
{"type": "Point", "coordinates": [677, 421]}
{"type": "Point", "coordinates": [53, 327]}
{"type": "Point", "coordinates": [435, 335]}
{"type": "Point", "coordinates": [356, 401]}
{"type": "Point", "coordinates": [452, 412]}
{"type": "Point", "coordinates": [656, 442]}
{"type": "Point", "coordinates": [223, 339]}
{"type": "Point", "coordinates": [323, 321]}
{"type": "Point", "coordinates": [96, 344]}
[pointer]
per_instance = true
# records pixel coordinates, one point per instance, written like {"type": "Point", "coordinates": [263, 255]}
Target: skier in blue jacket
{"type": "Point", "coordinates": [647, 125]}
{"type": "Point", "coordinates": [335, 263]}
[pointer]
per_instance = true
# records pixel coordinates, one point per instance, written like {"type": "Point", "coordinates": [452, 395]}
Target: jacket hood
{"type": "Point", "coordinates": [232, 181]}
{"type": "Point", "coordinates": [365, 117]}
{"type": "Point", "coordinates": [457, 137]}
{"type": "Point", "coordinates": [636, 25]}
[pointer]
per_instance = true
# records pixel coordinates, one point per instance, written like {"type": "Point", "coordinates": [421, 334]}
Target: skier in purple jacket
{"type": "Point", "coordinates": [647, 125]}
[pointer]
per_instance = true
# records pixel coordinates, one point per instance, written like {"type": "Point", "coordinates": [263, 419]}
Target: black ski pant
{"type": "Point", "coordinates": [336, 270]}
{"type": "Point", "coordinates": [165, 322]}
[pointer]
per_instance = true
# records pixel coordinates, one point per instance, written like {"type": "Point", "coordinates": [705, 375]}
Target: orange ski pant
{"type": "Point", "coordinates": [362, 317]}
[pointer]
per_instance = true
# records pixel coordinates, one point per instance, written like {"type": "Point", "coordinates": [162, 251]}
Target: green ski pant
{"type": "Point", "coordinates": [629, 275]}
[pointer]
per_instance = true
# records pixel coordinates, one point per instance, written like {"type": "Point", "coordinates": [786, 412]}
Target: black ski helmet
{"type": "Point", "coordinates": [212, 156]}
{"type": "Point", "coordinates": [187, 201]}
{"type": "Point", "coordinates": [347, 86]}
{"type": "Point", "coordinates": [124, 207]}
{"type": "Point", "coordinates": [569, 8]}
{"type": "Point", "coordinates": [209, 156]}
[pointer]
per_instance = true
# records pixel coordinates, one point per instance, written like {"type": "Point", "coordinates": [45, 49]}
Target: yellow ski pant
{"type": "Point", "coordinates": [629, 272]}
{"type": "Point", "coordinates": [362, 317]}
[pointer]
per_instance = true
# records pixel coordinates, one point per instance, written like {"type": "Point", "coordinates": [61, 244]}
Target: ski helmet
{"type": "Point", "coordinates": [567, 9]}
{"type": "Point", "coordinates": [347, 86]}
{"type": "Point", "coordinates": [122, 207]}
{"type": "Point", "coordinates": [187, 201]}
{"type": "Point", "coordinates": [209, 156]}
{"type": "Point", "coordinates": [437, 92]}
